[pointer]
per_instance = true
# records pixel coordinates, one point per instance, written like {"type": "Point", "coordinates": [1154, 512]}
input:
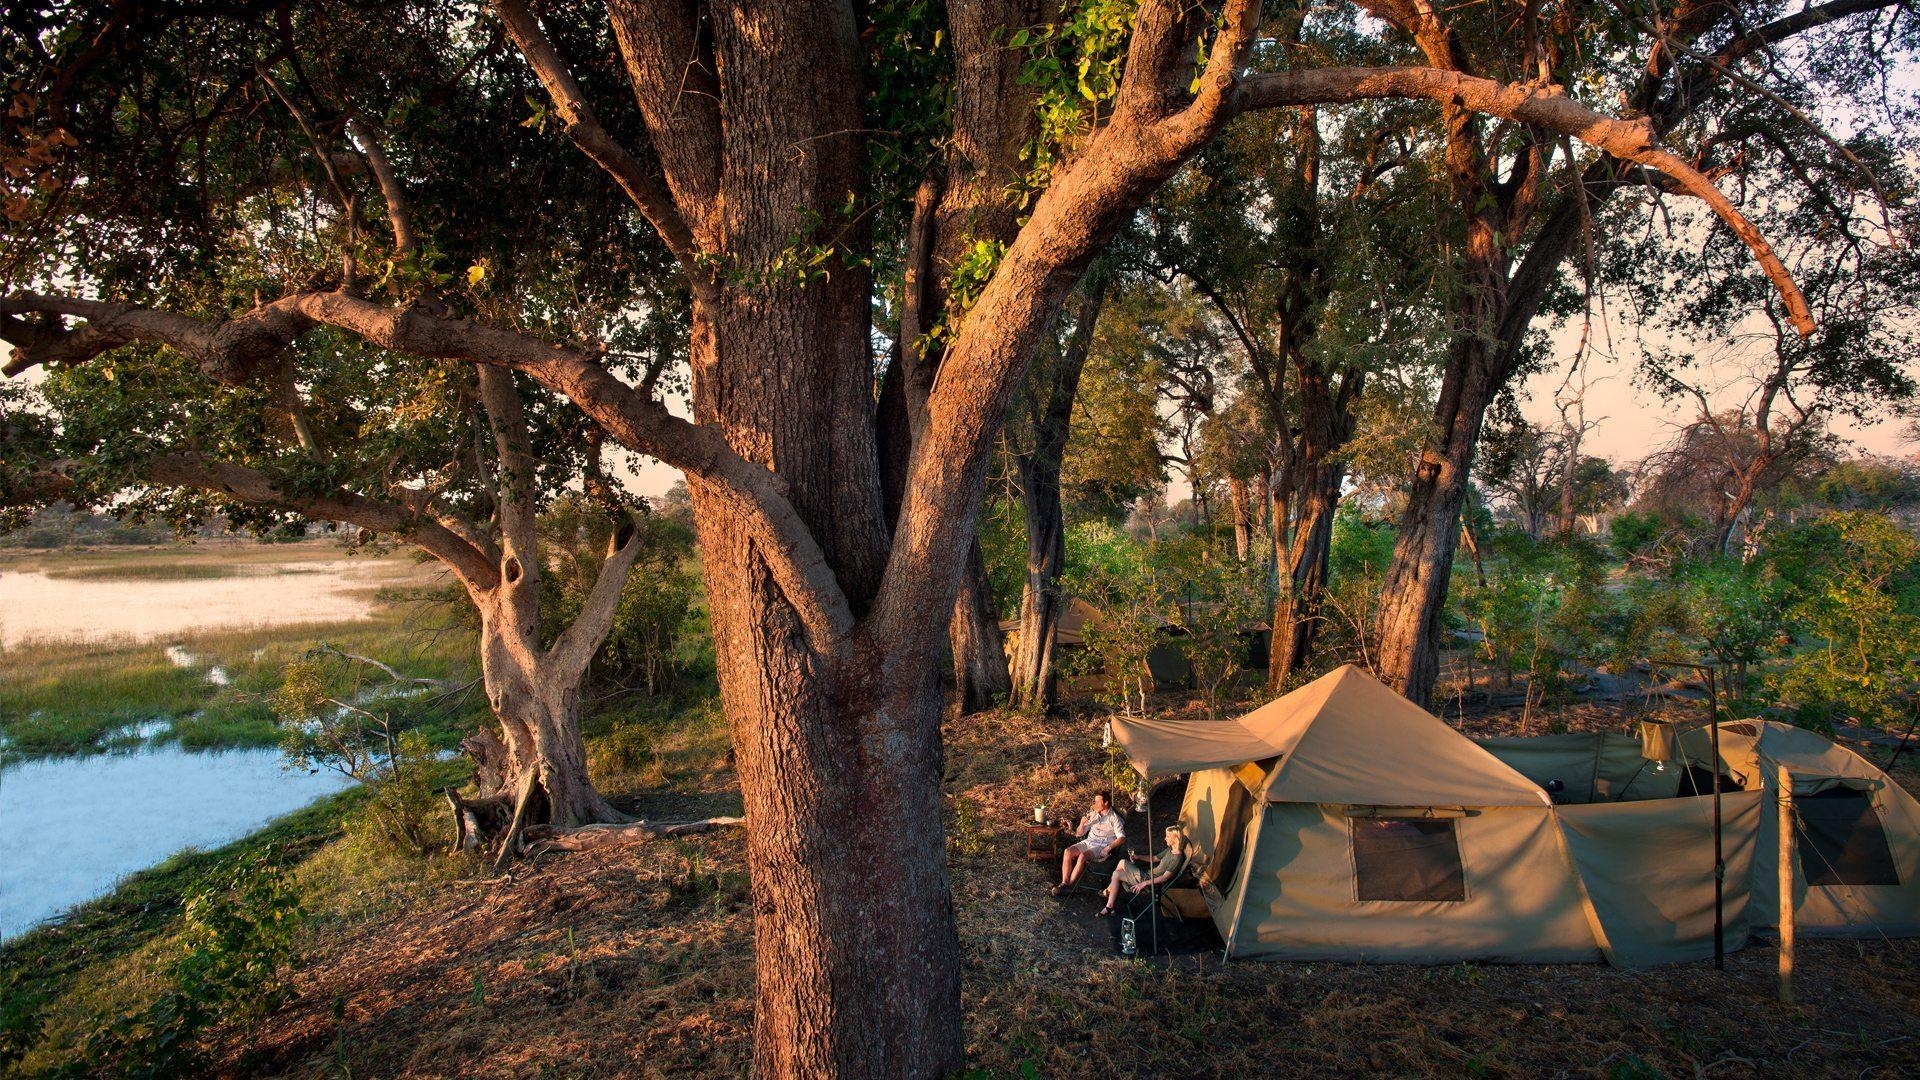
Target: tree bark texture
{"type": "Point", "coordinates": [1242, 517]}
{"type": "Point", "coordinates": [1041, 604]}
{"type": "Point", "coordinates": [980, 676]}
{"type": "Point", "coordinates": [1297, 612]}
{"type": "Point", "coordinates": [1049, 400]}
{"type": "Point", "coordinates": [1413, 596]}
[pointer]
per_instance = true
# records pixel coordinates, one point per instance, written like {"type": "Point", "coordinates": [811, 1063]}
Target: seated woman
{"type": "Point", "coordinates": [1166, 869]}
{"type": "Point", "coordinates": [1104, 834]}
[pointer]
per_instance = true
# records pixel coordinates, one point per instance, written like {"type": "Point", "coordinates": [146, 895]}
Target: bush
{"type": "Point", "coordinates": [1634, 532]}
{"type": "Point", "coordinates": [624, 751]}
{"type": "Point", "coordinates": [1119, 577]}
{"type": "Point", "coordinates": [1362, 550]}
{"type": "Point", "coordinates": [1541, 611]}
{"type": "Point", "coordinates": [1854, 600]}
{"type": "Point", "coordinates": [237, 946]}
{"type": "Point", "coordinates": [321, 727]}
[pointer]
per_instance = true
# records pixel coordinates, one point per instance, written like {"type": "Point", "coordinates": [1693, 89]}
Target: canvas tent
{"type": "Point", "coordinates": [1342, 822]}
{"type": "Point", "coordinates": [1166, 664]}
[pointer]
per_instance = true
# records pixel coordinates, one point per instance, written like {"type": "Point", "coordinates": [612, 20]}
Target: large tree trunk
{"type": "Point", "coordinates": [1041, 604]}
{"type": "Point", "coordinates": [1297, 618]}
{"type": "Point", "coordinates": [980, 677]}
{"type": "Point", "coordinates": [1413, 597]}
{"type": "Point", "coordinates": [539, 737]}
{"type": "Point", "coordinates": [839, 759]}
{"type": "Point", "coordinates": [1050, 398]}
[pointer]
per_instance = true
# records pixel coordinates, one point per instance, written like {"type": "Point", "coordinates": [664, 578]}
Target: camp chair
{"type": "Point", "coordinates": [1098, 875]}
{"type": "Point", "coordinates": [1171, 898]}
{"type": "Point", "coordinates": [1175, 900]}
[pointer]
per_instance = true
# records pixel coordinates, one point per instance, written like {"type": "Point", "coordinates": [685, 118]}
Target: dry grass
{"type": "Point", "coordinates": [637, 961]}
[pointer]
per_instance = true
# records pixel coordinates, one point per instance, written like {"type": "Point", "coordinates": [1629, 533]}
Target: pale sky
{"type": "Point", "coordinates": [1633, 421]}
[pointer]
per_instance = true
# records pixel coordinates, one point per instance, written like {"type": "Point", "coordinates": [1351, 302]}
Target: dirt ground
{"type": "Point", "coordinates": [636, 960]}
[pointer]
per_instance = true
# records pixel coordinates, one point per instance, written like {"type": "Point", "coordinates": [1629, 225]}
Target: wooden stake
{"type": "Point", "coordinates": [1783, 799]}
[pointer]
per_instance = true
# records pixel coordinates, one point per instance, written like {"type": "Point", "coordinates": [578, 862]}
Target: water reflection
{"type": "Point", "coordinates": [70, 828]}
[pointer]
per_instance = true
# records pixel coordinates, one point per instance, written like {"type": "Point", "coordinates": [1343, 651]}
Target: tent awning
{"type": "Point", "coordinates": [1163, 747]}
{"type": "Point", "coordinates": [1343, 738]}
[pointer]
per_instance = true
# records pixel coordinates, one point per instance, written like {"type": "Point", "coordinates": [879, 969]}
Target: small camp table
{"type": "Point", "coordinates": [1043, 842]}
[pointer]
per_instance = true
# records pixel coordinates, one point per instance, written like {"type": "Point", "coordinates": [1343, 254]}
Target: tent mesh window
{"type": "Point", "coordinates": [1841, 839]}
{"type": "Point", "coordinates": [1407, 859]}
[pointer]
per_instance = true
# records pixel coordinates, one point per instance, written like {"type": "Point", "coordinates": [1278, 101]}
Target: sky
{"type": "Point", "coordinates": [1630, 420]}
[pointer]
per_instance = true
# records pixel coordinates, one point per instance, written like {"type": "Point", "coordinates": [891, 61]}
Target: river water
{"type": "Point", "coordinates": [71, 828]}
{"type": "Point", "coordinates": [34, 604]}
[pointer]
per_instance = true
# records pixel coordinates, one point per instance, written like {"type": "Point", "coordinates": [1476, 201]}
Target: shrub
{"type": "Point", "coordinates": [237, 945]}
{"type": "Point", "coordinates": [969, 837]}
{"type": "Point", "coordinates": [321, 727]}
{"type": "Point", "coordinates": [1634, 532]}
{"type": "Point", "coordinates": [1855, 602]}
{"type": "Point", "coordinates": [624, 751]}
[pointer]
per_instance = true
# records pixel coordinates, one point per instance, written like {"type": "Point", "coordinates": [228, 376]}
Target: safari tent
{"type": "Point", "coordinates": [1166, 664]}
{"type": "Point", "coordinates": [1343, 822]}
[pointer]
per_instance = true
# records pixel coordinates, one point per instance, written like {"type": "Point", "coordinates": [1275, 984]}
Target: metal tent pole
{"type": "Point", "coordinates": [1719, 847]}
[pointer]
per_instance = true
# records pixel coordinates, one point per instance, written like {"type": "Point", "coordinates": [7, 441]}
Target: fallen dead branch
{"type": "Point", "coordinates": [582, 837]}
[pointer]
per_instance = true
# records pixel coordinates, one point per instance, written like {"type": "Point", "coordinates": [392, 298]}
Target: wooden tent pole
{"type": "Point", "coordinates": [1719, 851]}
{"type": "Point", "coordinates": [1783, 802]}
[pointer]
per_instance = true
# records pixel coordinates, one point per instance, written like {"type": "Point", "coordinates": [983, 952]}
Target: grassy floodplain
{"type": "Point", "coordinates": [69, 694]}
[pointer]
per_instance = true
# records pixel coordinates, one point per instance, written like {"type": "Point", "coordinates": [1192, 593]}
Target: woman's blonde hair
{"type": "Point", "coordinates": [1179, 833]}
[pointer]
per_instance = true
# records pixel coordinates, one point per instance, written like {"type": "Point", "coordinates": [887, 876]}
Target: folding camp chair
{"type": "Point", "coordinates": [1177, 900]}
{"type": "Point", "coordinates": [1097, 875]}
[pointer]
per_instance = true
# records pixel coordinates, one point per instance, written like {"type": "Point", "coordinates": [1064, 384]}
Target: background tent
{"type": "Point", "coordinates": [1343, 822]}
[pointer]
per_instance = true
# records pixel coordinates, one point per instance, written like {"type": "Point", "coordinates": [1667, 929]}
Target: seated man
{"type": "Point", "coordinates": [1166, 870]}
{"type": "Point", "coordinates": [1103, 834]}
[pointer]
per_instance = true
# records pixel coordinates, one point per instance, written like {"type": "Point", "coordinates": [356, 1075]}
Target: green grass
{"type": "Point", "coordinates": [65, 697]}
{"type": "Point", "coordinates": [639, 743]}
{"type": "Point", "coordinates": [140, 570]}
{"type": "Point", "coordinates": [41, 967]}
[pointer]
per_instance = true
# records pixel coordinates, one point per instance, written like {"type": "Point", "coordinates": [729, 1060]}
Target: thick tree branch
{"type": "Point", "coordinates": [516, 482]}
{"type": "Point", "coordinates": [249, 485]}
{"type": "Point", "coordinates": [1546, 108]}
{"type": "Point", "coordinates": [573, 650]}
{"type": "Point", "coordinates": [230, 352]}
{"type": "Point", "coordinates": [675, 81]}
{"type": "Point", "coordinates": [399, 217]}
{"type": "Point", "coordinates": [640, 423]}
{"type": "Point", "coordinates": [584, 128]}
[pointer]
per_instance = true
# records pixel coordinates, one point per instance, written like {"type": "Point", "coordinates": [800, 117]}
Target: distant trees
{"type": "Point", "coordinates": [770, 176]}
{"type": "Point", "coordinates": [1543, 480]}
{"type": "Point", "coordinates": [1524, 204]}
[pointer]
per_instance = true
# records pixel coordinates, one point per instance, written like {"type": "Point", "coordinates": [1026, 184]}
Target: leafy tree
{"type": "Point", "coordinates": [1706, 77]}
{"type": "Point", "coordinates": [781, 193]}
{"type": "Point", "coordinates": [643, 643]}
{"type": "Point", "coordinates": [1856, 609]}
{"type": "Point", "coordinates": [1122, 580]}
{"type": "Point", "coordinates": [1538, 615]}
